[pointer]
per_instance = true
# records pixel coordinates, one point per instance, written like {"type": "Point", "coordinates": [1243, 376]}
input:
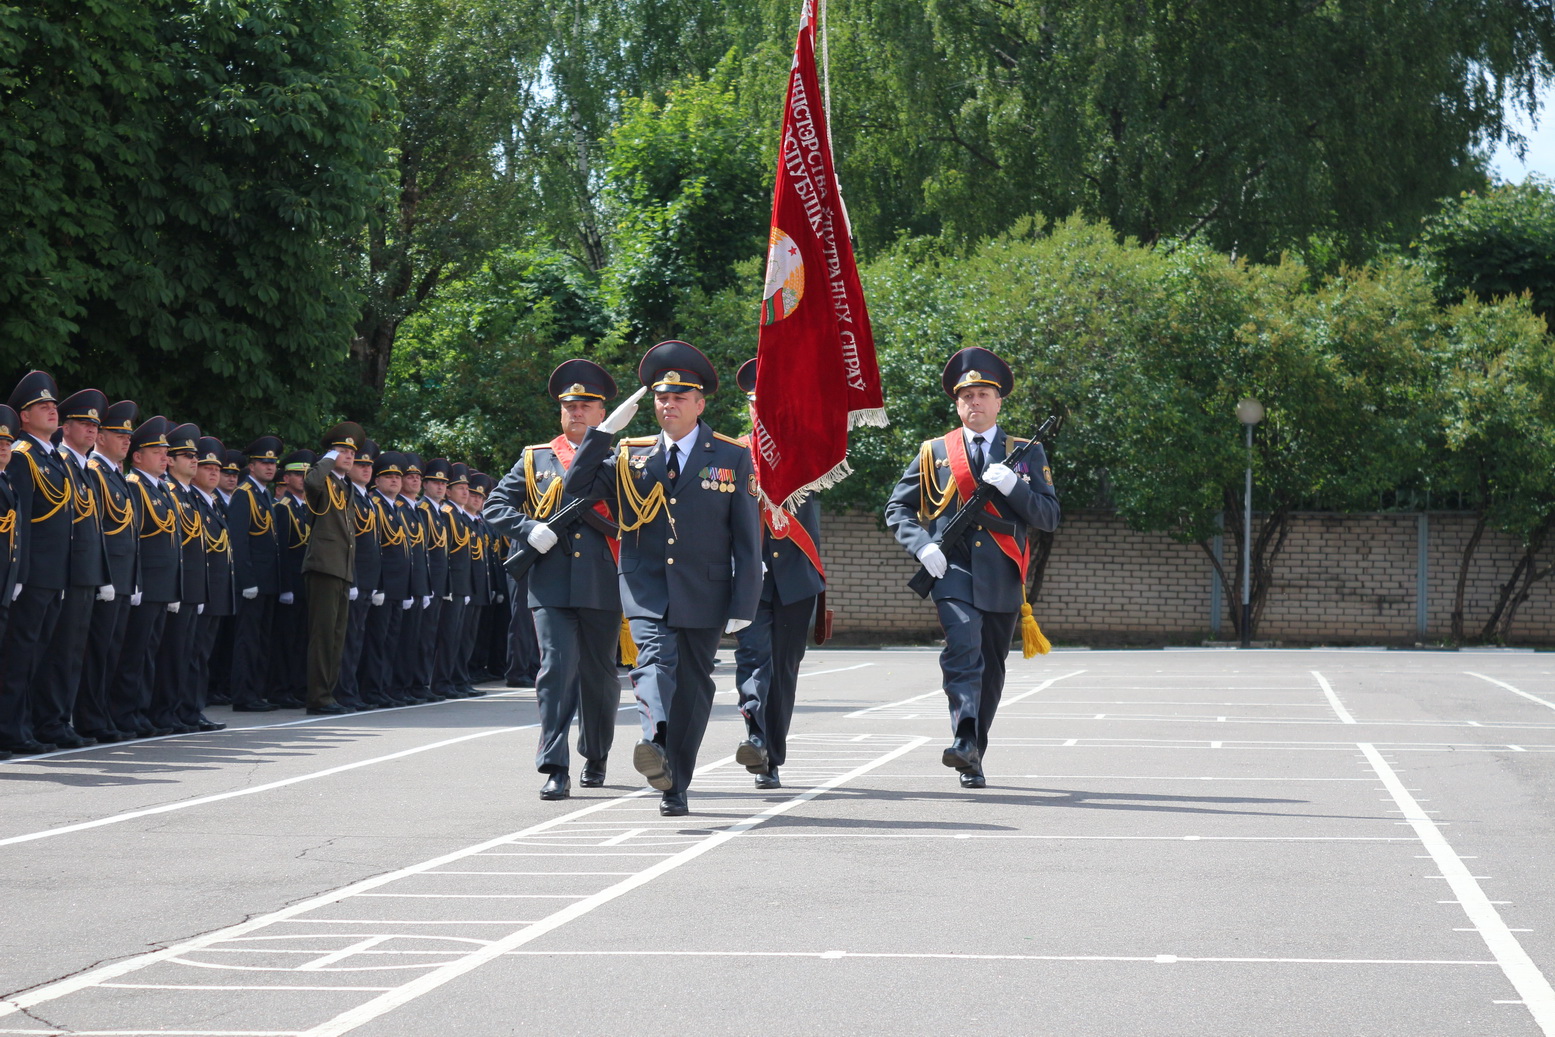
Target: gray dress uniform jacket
{"type": "Point", "coordinates": [695, 563]}
{"type": "Point", "coordinates": [580, 571]}
{"type": "Point", "coordinates": [980, 573]}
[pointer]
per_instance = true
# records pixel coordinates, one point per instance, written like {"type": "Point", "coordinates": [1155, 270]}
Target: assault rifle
{"type": "Point", "coordinates": [972, 513]}
{"type": "Point", "coordinates": [561, 522]}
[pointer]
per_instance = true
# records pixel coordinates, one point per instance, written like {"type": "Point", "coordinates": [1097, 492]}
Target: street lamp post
{"type": "Point", "coordinates": [1249, 412]}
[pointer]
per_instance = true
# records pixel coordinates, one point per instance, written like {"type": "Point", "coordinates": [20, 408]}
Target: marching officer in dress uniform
{"type": "Point", "coordinates": [379, 683]}
{"type": "Point", "coordinates": [769, 651]}
{"type": "Point", "coordinates": [330, 565]}
{"type": "Point", "coordinates": [448, 673]}
{"type": "Point", "coordinates": [980, 588]}
{"type": "Point", "coordinates": [171, 705]}
{"type": "Point", "coordinates": [364, 594]}
{"type": "Point", "coordinates": [407, 648]}
{"type": "Point", "coordinates": [220, 597]}
{"type": "Point", "coordinates": [160, 568]}
{"type": "Point", "coordinates": [45, 496]}
{"type": "Point", "coordinates": [690, 569]}
{"type": "Point", "coordinates": [11, 531]}
{"type": "Point", "coordinates": [289, 641]}
{"type": "Point", "coordinates": [572, 590]}
{"type": "Point", "coordinates": [121, 535]}
{"type": "Point", "coordinates": [256, 552]}
{"type": "Point", "coordinates": [434, 484]}
{"type": "Point", "coordinates": [59, 678]}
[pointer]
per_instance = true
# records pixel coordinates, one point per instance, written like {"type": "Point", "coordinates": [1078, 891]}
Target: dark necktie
{"type": "Point", "coordinates": [977, 455]}
{"type": "Point", "coordinates": [674, 463]}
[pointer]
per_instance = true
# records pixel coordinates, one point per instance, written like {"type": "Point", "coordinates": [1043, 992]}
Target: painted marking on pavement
{"type": "Point", "coordinates": [1518, 967]}
{"type": "Point", "coordinates": [1333, 700]}
{"type": "Point", "coordinates": [1041, 687]}
{"type": "Point", "coordinates": [1515, 691]}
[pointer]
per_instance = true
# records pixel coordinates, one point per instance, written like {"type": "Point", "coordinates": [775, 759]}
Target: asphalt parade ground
{"type": "Point", "coordinates": [1171, 842]}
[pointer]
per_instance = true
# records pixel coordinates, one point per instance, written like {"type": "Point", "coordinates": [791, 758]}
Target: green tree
{"type": "Point", "coordinates": [1494, 244]}
{"type": "Point", "coordinates": [1499, 425]}
{"type": "Point", "coordinates": [1249, 125]}
{"type": "Point", "coordinates": [182, 177]}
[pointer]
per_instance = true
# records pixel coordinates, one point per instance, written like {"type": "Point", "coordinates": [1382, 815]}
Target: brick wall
{"type": "Point", "coordinates": [1339, 579]}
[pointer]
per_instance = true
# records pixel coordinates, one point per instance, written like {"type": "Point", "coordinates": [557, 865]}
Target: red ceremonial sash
{"type": "Point", "coordinates": [562, 447]}
{"type": "Point", "coordinates": [966, 485]}
{"type": "Point", "coordinates": [795, 533]}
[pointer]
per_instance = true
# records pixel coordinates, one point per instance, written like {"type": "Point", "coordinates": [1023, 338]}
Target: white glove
{"type": "Point", "coordinates": [250, 593]}
{"type": "Point", "coordinates": [355, 593]}
{"type": "Point", "coordinates": [287, 597]}
{"type": "Point", "coordinates": [377, 597]}
{"type": "Point", "coordinates": [173, 607]}
{"type": "Point", "coordinates": [934, 560]}
{"type": "Point", "coordinates": [406, 604]}
{"type": "Point", "coordinates": [542, 538]}
{"type": "Point", "coordinates": [621, 415]}
{"type": "Point", "coordinates": [448, 597]}
{"type": "Point", "coordinates": [501, 598]}
{"type": "Point", "coordinates": [199, 610]}
{"type": "Point", "coordinates": [734, 626]}
{"type": "Point", "coordinates": [329, 455]}
{"type": "Point", "coordinates": [426, 601]}
{"type": "Point", "coordinates": [16, 592]}
{"type": "Point", "coordinates": [1000, 477]}
{"type": "Point", "coordinates": [105, 592]}
{"type": "Point", "coordinates": [466, 599]}
{"type": "Point", "coordinates": [135, 598]}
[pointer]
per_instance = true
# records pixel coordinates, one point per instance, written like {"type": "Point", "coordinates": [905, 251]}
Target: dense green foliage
{"type": "Point", "coordinates": [408, 211]}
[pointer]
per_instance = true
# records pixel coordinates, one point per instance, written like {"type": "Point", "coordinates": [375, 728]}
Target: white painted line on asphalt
{"type": "Point", "coordinates": [1041, 687]}
{"type": "Point", "coordinates": [1164, 959]}
{"type": "Point", "coordinates": [623, 837]}
{"type": "Point", "coordinates": [735, 689]}
{"type": "Point", "coordinates": [93, 977]}
{"type": "Point", "coordinates": [318, 964]}
{"type": "Point", "coordinates": [185, 804]}
{"type": "Point", "coordinates": [891, 705]}
{"type": "Point", "coordinates": [546, 873]}
{"type": "Point", "coordinates": [385, 1003]}
{"type": "Point", "coordinates": [1515, 691]}
{"type": "Point", "coordinates": [1519, 968]}
{"type": "Point", "coordinates": [267, 787]}
{"type": "Point", "coordinates": [1013, 837]}
{"type": "Point", "coordinates": [1333, 700]}
{"type": "Point", "coordinates": [234, 730]}
{"type": "Point", "coordinates": [226, 986]}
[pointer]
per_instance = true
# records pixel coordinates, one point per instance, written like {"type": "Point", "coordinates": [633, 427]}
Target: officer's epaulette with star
{"type": "Point", "coordinates": [642, 440]}
{"type": "Point", "coordinates": [538, 446]}
{"type": "Point", "coordinates": [132, 477]}
{"type": "Point", "coordinates": [25, 446]}
{"type": "Point", "coordinates": [93, 463]}
{"type": "Point", "coordinates": [728, 439]}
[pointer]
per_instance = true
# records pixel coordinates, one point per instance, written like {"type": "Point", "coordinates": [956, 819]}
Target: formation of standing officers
{"type": "Point", "coordinates": [148, 572]}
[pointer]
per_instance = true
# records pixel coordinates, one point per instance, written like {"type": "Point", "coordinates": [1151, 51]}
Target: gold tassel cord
{"type": "Point", "coordinates": [337, 496]}
{"type": "Point", "coordinates": [644, 509]}
{"type": "Point", "coordinates": [56, 498]}
{"type": "Point", "coordinates": [933, 499]}
{"type": "Point", "coordinates": [1032, 642]}
{"type": "Point", "coordinates": [160, 525]}
{"type": "Point", "coordinates": [628, 646]}
{"type": "Point", "coordinates": [112, 514]}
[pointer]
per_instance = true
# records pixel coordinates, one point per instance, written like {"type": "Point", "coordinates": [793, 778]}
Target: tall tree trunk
{"type": "Point", "coordinates": [1266, 548]}
{"type": "Point", "coordinates": [1532, 574]}
{"type": "Point", "coordinates": [1463, 576]}
{"type": "Point", "coordinates": [1041, 550]}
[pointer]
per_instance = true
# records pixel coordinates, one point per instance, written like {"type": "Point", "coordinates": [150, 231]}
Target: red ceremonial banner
{"type": "Point", "coordinates": [816, 374]}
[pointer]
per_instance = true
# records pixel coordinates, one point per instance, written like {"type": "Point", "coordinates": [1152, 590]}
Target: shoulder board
{"type": "Point", "coordinates": [1018, 439]}
{"type": "Point", "coordinates": [93, 463]}
{"type": "Point", "coordinates": [538, 446]}
{"type": "Point", "coordinates": [728, 439]}
{"type": "Point", "coordinates": [25, 446]}
{"type": "Point", "coordinates": [446, 508]}
{"type": "Point", "coordinates": [132, 477]}
{"type": "Point", "coordinates": [641, 441]}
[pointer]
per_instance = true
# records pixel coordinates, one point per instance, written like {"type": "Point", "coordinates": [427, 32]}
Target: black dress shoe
{"type": "Point", "coordinates": [768, 780]}
{"type": "Point", "coordinates": [28, 748]}
{"type": "Point", "coordinates": [652, 763]}
{"type": "Point", "coordinates": [962, 754]}
{"type": "Point", "coordinates": [290, 703]}
{"type": "Point", "coordinates": [973, 780]}
{"type": "Point", "coordinates": [557, 786]}
{"type": "Point", "coordinates": [333, 709]}
{"type": "Point", "coordinates": [102, 737]}
{"type": "Point", "coordinates": [593, 775]}
{"type": "Point", "coordinates": [673, 805]}
{"type": "Point", "coordinates": [752, 754]}
{"type": "Point", "coordinates": [210, 725]}
{"type": "Point", "coordinates": [64, 739]}
{"type": "Point", "coordinates": [261, 706]}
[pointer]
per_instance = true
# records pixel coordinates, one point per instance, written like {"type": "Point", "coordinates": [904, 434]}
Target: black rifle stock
{"type": "Point", "coordinates": [972, 513]}
{"type": "Point", "coordinates": [524, 555]}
